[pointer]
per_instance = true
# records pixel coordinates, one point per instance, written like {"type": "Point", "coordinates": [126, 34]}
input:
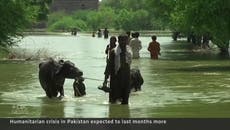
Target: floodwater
{"type": "Point", "coordinates": [180, 84]}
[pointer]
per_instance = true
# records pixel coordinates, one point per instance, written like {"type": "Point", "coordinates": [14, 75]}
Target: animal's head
{"type": "Point", "coordinates": [68, 70]}
{"type": "Point", "coordinates": [79, 87]}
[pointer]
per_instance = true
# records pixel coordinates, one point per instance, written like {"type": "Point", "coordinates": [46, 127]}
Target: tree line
{"type": "Point", "coordinates": [185, 16]}
{"type": "Point", "coordinates": [199, 17]}
{"type": "Point", "coordinates": [118, 15]}
{"type": "Point", "coordinates": [18, 15]}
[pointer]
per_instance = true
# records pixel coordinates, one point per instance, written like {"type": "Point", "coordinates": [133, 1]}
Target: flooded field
{"type": "Point", "coordinates": [180, 84]}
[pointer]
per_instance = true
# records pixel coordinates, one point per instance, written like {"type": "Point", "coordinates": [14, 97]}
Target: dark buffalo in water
{"type": "Point", "coordinates": [52, 75]}
{"type": "Point", "coordinates": [136, 79]}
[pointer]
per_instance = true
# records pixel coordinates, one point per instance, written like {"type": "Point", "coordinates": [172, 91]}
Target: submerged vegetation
{"type": "Point", "coordinates": [25, 54]}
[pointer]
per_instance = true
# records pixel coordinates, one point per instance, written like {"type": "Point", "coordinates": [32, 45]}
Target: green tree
{"type": "Point", "coordinates": [141, 14]}
{"type": "Point", "coordinates": [42, 8]}
{"type": "Point", "coordinates": [93, 20]}
{"type": "Point", "coordinates": [115, 4]}
{"type": "Point", "coordinates": [106, 17]}
{"type": "Point", "coordinates": [133, 4]}
{"type": "Point", "coordinates": [141, 20]}
{"type": "Point", "coordinates": [204, 16]}
{"type": "Point", "coordinates": [67, 23]}
{"type": "Point", "coordinates": [124, 4]}
{"type": "Point", "coordinates": [123, 20]}
{"type": "Point", "coordinates": [16, 15]}
{"type": "Point", "coordinates": [54, 17]}
{"type": "Point", "coordinates": [160, 11]}
{"type": "Point", "coordinates": [81, 14]}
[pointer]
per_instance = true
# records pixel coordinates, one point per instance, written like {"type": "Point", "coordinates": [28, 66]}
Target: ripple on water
{"type": "Point", "coordinates": [211, 73]}
{"type": "Point", "coordinates": [162, 90]}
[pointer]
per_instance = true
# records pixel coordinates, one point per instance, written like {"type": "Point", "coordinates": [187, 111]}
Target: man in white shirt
{"type": "Point", "coordinates": [135, 45]}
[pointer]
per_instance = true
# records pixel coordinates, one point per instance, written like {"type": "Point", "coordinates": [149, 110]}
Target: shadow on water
{"type": "Point", "coordinates": [186, 51]}
{"type": "Point", "coordinates": [192, 109]}
{"type": "Point", "coordinates": [119, 111]}
{"type": "Point", "coordinates": [15, 75]}
{"type": "Point", "coordinates": [203, 69]}
{"type": "Point", "coordinates": [52, 108]}
{"type": "Point", "coordinates": [182, 83]}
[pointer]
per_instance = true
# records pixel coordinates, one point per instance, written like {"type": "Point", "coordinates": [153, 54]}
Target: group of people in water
{"type": "Point", "coordinates": [135, 43]}
{"type": "Point", "coordinates": [99, 33]}
{"type": "Point", "coordinates": [118, 63]}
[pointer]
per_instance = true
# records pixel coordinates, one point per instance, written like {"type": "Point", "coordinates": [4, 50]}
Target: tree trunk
{"type": "Point", "coordinates": [223, 46]}
{"type": "Point", "coordinates": [224, 52]}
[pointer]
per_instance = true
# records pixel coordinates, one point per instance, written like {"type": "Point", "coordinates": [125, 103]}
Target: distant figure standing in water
{"type": "Point", "coordinates": [135, 45]}
{"type": "Point", "coordinates": [74, 31]}
{"type": "Point", "coordinates": [99, 33]}
{"type": "Point", "coordinates": [128, 34]}
{"type": "Point", "coordinates": [106, 33]}
{"type": "Point", "coordinates": [93, 34]}
{"type": "Point", "coordinates": [154, 48]}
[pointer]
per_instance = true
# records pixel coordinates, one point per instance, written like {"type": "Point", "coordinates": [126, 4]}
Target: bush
{"type": "Point", "coordinates": [67, 23]}
{"type": "Point", "coordinates": [16, 15]}
{"type": "Point", "coordinates": [3, 52]}
{"type": "Point", "coordinates": [54, 17]}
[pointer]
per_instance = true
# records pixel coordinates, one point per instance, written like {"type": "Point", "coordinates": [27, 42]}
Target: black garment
{"type": "Point", "coordinates": [120, 82]}
{"type": "Point", "coordinates": [106, 33]}
{"type": "Point", "coordinates": [107, 60]}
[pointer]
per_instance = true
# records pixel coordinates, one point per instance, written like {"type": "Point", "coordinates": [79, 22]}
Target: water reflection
{"type": "Point", "coordinates": [203, 68]}
{"type": "Point", "coordinates": [119, 111]}
{"type": "Point", "coordinates": [174, 84]}
{"type": "Point", "coordinates": [52, 108]}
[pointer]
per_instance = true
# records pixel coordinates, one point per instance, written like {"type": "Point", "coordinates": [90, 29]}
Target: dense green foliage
{"type": "Point", "coordinates": [68, 23]}
{"type": "Point", "coordinates": [104, 17]}
{"type": "Point", "coordinates": [204, 16]}
{"type": "Point", "coordinates": [186, 16]}
{"type": "Point", "coordinates": [18, 15]}
{"type": "Point", "coordinates": [114, 15]}
{"type": "Point", "coordinates": [42, 8]}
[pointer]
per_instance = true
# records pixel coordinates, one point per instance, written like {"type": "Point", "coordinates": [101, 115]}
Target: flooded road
{"type": "Point", "coordinates": [180, 84]}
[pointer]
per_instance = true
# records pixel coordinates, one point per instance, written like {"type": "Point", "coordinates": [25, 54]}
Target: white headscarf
{"type": "Point", "coordinates": [117, 57]}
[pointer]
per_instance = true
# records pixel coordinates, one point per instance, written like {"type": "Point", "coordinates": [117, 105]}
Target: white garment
{"type": "Point", "coordinates": [117, 57]}
{"type": "Point", "coordinates": [136, 46]}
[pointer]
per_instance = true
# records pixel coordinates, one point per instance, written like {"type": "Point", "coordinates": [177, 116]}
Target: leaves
{"type": "Point", "coordinates": [16, 15]}
{"type": "Point", "coordinates": [204, 16]}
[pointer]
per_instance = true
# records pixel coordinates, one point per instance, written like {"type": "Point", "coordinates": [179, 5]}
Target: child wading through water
{"type": "Point", "coordinates": [154, 48]}
{"type": "Point", "coordinates": [108, 49]}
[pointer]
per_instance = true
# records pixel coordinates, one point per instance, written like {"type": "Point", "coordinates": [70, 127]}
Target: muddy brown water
{"type": "Point", "coordinates": [180, 84]}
